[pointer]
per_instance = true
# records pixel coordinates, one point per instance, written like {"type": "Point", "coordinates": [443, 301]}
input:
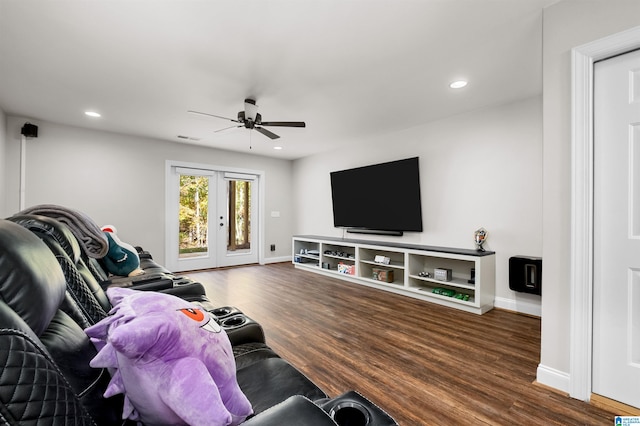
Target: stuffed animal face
{"type": "Point", "coordinates": [172, 361]}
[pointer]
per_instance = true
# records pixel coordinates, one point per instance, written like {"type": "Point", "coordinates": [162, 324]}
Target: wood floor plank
{"type": "Point", "coordinates": [423, 363]}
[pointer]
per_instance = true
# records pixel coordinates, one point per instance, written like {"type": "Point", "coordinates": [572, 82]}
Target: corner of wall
{"type": "Point", "coordinates": [520, 306]}
{"type": "Point", "coordinates": [553, 378]}
{"type": "Point", "coordinates": [278, 259]}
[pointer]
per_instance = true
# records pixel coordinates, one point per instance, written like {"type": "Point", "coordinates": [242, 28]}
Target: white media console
{"type": "Point", "coordinates": [410, 270]}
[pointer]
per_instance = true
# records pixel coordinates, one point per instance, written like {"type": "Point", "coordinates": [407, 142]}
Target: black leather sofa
{"type": "Point", "coordinates": [48, 295]}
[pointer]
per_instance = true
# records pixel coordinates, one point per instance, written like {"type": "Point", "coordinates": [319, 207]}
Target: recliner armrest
{"type": "Point", "coordinates": [142, 279]}
{"type": "Point", "coordinates": [295, 410]}
{"type": "Point", "coordinates": [193, 291]}
{"type": "Point", "coordinates": [154, 283]}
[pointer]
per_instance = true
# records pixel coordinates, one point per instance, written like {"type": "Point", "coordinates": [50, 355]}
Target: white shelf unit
{"type": "Point", "coordinates": [406, 263]}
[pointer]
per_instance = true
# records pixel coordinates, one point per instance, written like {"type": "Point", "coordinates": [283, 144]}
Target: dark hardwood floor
{"type": "Point", "coordinates": [423, 363]}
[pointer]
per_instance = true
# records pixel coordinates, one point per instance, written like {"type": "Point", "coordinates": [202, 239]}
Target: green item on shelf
{"type": "Point", "coordinates": [444, 291]}
{"type": "Point", "coordinates": [462, 296]}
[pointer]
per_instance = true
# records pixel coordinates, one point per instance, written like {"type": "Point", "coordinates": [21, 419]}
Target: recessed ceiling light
{"type": "Point", "coordinates": [277, 147]}
{"type": "Point", "coordinates": [458, 84]}
{"type": "Point", "coordinates": [92, 114]}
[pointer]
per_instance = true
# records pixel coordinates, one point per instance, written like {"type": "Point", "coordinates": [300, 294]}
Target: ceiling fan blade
{"type": "Point", "coordinates": [266, 133]}
{"type": "Point", "coordinates": [284, 123]}
{"type": "Point", "coordinates": [227, 128]}
{"type": "Point", "coordinates": [212, 115]}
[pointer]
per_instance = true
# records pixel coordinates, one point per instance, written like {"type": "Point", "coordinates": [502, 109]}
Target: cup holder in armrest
{"type": "Point", "coordinates": [182, 281]}
{"type": "Point", "coordinates": [353, 409]}
{"type": "Point", "coordinates": [350, 413]}
{"type": "Point", "coordinates": [234, 321]}
{"type": "Point", "coordinates": [223, 312]}
{"type": "Point", "coordinates": [241, 329]}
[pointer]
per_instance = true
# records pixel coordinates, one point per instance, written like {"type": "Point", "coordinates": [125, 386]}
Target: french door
{"type": "Point", "coordinates": [211, 218]}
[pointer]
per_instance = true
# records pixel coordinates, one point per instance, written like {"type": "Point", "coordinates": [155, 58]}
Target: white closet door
{"type": "Point", "coordinates": [616, 320]}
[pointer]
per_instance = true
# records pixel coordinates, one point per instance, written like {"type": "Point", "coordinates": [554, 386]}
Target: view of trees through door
{"type": "Point", "coordinates": [193, 216]}
{"type": "Point", "coordinates": [239, 199]}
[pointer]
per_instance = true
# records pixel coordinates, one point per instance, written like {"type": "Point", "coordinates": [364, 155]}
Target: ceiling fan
{"type": "Point", "coordinates": [252, 120]}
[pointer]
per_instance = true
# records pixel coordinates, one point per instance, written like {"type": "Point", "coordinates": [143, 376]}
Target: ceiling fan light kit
{"type": "Point", "coordinates": [251, 119]}
{"type": "Point", "coordinates": [250, 109]}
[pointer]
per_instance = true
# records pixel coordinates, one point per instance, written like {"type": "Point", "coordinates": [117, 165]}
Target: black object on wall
{"type": "Point", "coordinates": [525, 274]}
{"type": "Point", "coordinates": [29, 130]}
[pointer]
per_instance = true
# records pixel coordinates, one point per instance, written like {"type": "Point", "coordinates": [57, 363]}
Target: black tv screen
{"type": "Point", "coordinates": [383, 197]}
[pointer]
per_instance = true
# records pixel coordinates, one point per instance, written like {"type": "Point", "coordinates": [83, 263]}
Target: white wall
{"type": "Point", "coordinates": [567, 24]}
{"type": "Point", "coordinates": [120, 180]}
{"type": "Point", "coordinates": [478, 169]}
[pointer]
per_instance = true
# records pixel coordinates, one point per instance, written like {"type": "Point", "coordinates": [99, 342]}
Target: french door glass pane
{"type": "Point", "coordinates": [193, 215]}
{"type": "Point", "coordinates": [239, 202]}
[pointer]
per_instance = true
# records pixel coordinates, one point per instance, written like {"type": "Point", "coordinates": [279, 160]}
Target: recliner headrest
{"type": "Point", "coordinates": [46, 227]}
{"type": "Point", "coordinates": [31, 281]}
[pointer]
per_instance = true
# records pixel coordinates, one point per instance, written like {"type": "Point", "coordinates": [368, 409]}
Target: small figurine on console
{"type": "Point", "coordinates": [480, 236]}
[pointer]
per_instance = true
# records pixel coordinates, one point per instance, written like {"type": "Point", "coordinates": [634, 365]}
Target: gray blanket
{"type": "Point", "coordinates": [88, 234]}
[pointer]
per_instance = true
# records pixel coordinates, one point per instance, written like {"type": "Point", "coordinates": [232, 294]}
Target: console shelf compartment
{"type": "Point", "coordinates": [307, 253]}
{"type": "Point", "coordinates": [335, 255]}
{"type": "Point", "coordinates": [453, 283]}
{"type": "Point", "coordinates": [429, 291]}
{"type": "Point", "coordinates": [404, 269]}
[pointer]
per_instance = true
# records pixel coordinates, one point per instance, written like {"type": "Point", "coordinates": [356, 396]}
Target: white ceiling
{"type": "Point", "coordinates": [348, 68]}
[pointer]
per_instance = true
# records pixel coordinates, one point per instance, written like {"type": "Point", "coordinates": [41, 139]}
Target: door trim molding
{"type": "Point", "coordinates": [168, 206]}
{"type": "Point", "coordinates": [581, 280]}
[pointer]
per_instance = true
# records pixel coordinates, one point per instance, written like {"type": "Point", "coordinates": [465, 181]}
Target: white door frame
{"type": "Point", "coordinates": [581, 281]}
{"type": "Point", "coordinates": [169, 227]}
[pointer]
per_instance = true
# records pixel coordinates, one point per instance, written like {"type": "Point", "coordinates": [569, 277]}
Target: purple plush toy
{"type": "Point", "coordinates": [170, 358]}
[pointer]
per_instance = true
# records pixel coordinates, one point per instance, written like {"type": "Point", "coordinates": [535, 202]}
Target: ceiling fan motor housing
{"type": "Point", "coordinates": [248, 122]}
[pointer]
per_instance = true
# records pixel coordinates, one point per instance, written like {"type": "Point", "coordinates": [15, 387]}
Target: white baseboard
{"type": "Point", "coordinates": [520, 306]}
{"type": "Point", "coordinates": [553, 378]}
{"type": "Point", "coordinates": [280, 259]}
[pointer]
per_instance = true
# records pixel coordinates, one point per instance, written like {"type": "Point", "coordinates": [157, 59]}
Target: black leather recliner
{"type": "Point", "coordinates": [48, 296]}
{"type": "Point", "coordinates": [45, 354]}
{"type": "Point", "coordinates": [258, 367]}
{"type": "Point", "coordinates": [86, 301]}
{"type": "Point", "coordinates": [42, 346]}
{"type": "Point", "coordinates": [81, 282]}
{"type": "Point", "coordinates": [156, 277]}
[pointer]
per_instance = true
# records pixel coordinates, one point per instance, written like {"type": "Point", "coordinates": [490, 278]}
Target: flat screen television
{"type": "Point", "coordinates": [378, 199]}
